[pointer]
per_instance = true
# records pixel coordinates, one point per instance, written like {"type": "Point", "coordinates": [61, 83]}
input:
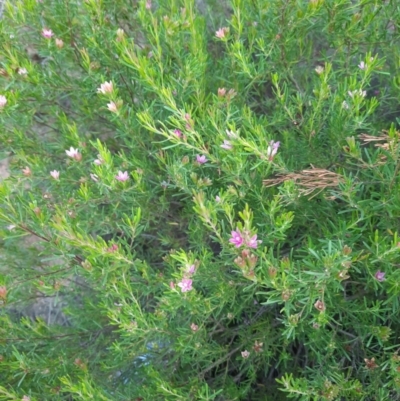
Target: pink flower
{"type": "Point", "coordinates": [237, 238]}
{"type": "Point", "coordinates": [226, 145]}
{"type": "Point", "coordinates": [148, 5]}
{"type": "Point", "coordinates": [194, 327]}
{"type": "Point", "coordinates": [362, 66]}
{"type": "Point", "coordinates": [191, 269]}
{"type": "Point", "coordinates": [221, 33]}
{"type": "Point", "coordinates": [55, 174]}
{"type": "Point", "coordinates": [171, 285]}
{"type": "Point", "coordinates": [252, 242]}
{"type": "Point", "coordinates": [112, 248]}
{"type": "Point", "coordinates": [178, 133]}
{"type": "Point", "coordinates": [186, 284]}
{"type": "Point", "coordinates": [218, 199]}
{"type": "Point", "coordinates": [201, 159]}
{"type": "Point", "coordinates": [47, 33]}
{"type": "Point", "coordinates": [112, 106]}
{"type": "Point", "coordinates": [106, 87]}
{"type": "Point", "coordinates": [3, 101]}
{"type": "Point", "coordinates": [98, 162]}
{"type": "Point", "coordinates": [272, 150]}
{"type": "Point", "coordinates": [380, 276]}
{"type": "Point", "coordinates": [245, 354]}
{"type": "Point", "coordinates": [74, 153]}
{"type": "Point", "coordinates": [122, 176]}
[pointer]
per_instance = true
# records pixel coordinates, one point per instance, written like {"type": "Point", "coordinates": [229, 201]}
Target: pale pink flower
{"type": "Point", "coordinates": [226, 145]}
{"type": "Point", "coordinates": [218, 199]}
{"type": "Point", "coordinates": [22, 71]}
{"type": "Point", "coordinates": [26, 171]}
{"type": "Point", "coordinates": [194, 327]}
{"type": "Point", "coordinates": [252, 242]}
{"type": "Point", "coordinates": [47, 33]}
{"type": "Point", "coordinates": [380, 276]}
{"type": "Point", "coordinates": [3, 101]}
{"type": "Point", "coordinates": [221, 33]}
{"type": "Point", "coordinates": [171, 285]}
{"type": "Point", "coordinates": [221, 92]}
{"type": "Point", "coordinates": [55, 174]}
{"type": "Point", "coordinates": [245, 354]}
{"type": "Point", "coordinates": [74, 153]}
{"type": "Point", "coordinates": [237, 238]}
{"type": "Point", "coordinates": [148, 5]}
{"type": "Point", "coordinates": [201, 159]}
{"type": "Point", "coordinates": [362, 66]}
{"type": "Point", "coordinates": [26, 398]}
{"type": "Point", "coordinates": [122, 176]}
{"type": "Point", "coordinates": [272, 149]}
{"type": "Point", "coordinates": [186, 284]}
{"type": "Point", "coordinates": [112, 106]}
{"type": "Point", "coordinates": [98, 162]}
{"type": "Point", "coordinates": [106, 87]}
{"type": "Point", "coordinates": [59, 43]}
{"type": "Point", "coordinates": [320, 305]}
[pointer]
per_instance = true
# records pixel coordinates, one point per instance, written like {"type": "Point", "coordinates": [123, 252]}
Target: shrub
{"type": "Point", "coordinates": [203, 199]}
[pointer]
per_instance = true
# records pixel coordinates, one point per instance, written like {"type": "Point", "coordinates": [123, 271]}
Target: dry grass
{"type": "Point", "coordinates": [309, 181]}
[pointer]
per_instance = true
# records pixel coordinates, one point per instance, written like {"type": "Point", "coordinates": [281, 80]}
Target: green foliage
{"type": "Point", "coordinates": [157, 243]}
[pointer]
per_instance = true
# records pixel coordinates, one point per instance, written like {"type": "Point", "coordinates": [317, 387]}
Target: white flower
{"type": "Point", "coordinates": [319, 69]}
{"type": "Point", "coordinates": [231, 134]}
{"type": "Point", "coordinates": [3, 101]}
{"type": "Point", "coordinates": [226, 145]}
{"type": "Point", "coordinates": [357, 92]}
{"type": "Point", "coordinates": [55, 174]}
{"type": "Point", "coordinates": [22, 71]}
{"type": "Point", "coordinates": [362, 66]}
